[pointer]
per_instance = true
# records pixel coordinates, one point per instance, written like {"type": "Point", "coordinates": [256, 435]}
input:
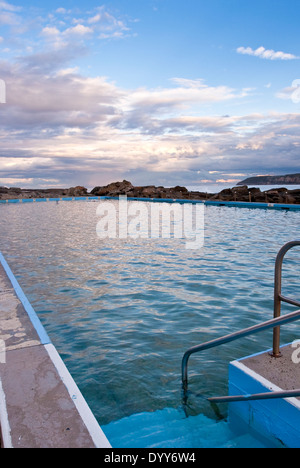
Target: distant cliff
{"type": "Point", "coordinates": [289, 179]}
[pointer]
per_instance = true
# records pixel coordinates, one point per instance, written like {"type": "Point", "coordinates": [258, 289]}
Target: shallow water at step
{"type": "Point", "coordinates": [170, 428]}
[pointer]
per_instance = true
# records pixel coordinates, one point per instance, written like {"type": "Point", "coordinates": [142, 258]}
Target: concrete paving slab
{"type": "Point", "coordinates": [16, 328]}
{"type": "Point", "coordinates": [40, 411]}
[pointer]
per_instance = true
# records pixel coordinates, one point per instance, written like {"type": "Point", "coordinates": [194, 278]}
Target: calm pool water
{"type": "Point", "coordinates": [122, 312]}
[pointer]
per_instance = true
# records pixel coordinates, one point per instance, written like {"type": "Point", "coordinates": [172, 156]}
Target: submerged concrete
{"type": "Point", "coordinates": [40, 404]}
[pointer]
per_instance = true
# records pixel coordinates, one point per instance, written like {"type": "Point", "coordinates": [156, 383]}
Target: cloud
{"type": "Point", "coordinates": [61, 11]}
{"type": "Point", "coordinates": [59, 125]}
{"type": "Point", "coordinates": [108, 25]}
{"type": "Point", "coordinates": [155, 110]}
{"type": "Point", "coordinates": [51, 32]}
{"type": "Point", "coordinates": [79, 29]}
{"type": "Point", "coordinates": [80, 130]}
{"type": "Point", "coordinates": [59, 30]}
{"type": "Point", "coordinates": [9, 14]}
{"type": "Point", "coordinates": [51, 60]}
{"type": "Point", "coordinates": [267, 54]}
{"type": "Point", "coordinates": [185, 94]}
{"type": "Point", "coordinates": [9, 7]}
{"type": "Point", "coordinates": [36, 100]}
{"type": "Point", "coordinates": [71, 36]}
{"type": "Point", "coordinates": [103, 23]}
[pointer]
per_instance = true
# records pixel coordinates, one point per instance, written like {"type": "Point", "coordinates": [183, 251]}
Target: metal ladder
{"type": "Point", "coordinates": [275, 323]}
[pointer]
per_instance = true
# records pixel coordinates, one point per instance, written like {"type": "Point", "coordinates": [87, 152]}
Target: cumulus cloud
{"type": "Point", "coordinates": [187, 91]}
{"type": "Point", "coordinates": [79, 29]}
{"type": "Point", "coordinates": [152, 110]}
{"type": "Point", "coordinates": [9, 7]}
{"type": "Point", "coordinates": [64, 99]}
{"type": "Point", "coordinates": [51, 60]}
{"type": "Point", "coordinates": [107, 25]}
{"type": "Point", "coordinates": [267, 54]}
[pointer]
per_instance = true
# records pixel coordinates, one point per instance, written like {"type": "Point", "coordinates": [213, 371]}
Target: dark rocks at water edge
{"type": "Point", "coordinates": [238, 193]}
{"type": "Point", "coordinates": [18, 193]}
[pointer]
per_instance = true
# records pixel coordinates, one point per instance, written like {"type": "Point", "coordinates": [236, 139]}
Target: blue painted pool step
{"type": "Point", "coordinates": [169, 428]}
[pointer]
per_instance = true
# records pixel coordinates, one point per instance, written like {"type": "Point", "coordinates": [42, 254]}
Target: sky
{"type": "Point", "coordinates": [157, 92]}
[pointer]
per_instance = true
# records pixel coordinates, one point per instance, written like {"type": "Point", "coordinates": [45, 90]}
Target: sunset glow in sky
{"type": "Point", "coordinates": [160, 92]}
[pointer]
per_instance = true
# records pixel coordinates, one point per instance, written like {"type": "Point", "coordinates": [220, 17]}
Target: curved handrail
{"type": "Point", "coordinates": [275, 323]}
{"type": "Point", "coordinates": [278, 297]}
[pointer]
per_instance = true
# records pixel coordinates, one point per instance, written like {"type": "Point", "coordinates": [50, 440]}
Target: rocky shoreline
{"type": "Point", "coordinates": [238, 193]}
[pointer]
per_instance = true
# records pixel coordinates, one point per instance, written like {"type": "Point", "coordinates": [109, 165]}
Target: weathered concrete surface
{"type": "Point", "coordinates": [283, 372]}
{"type": "Point", "coordinates": [40, 404]}
{"type": "Point", "coordinates": [16, 329]}
{"type": "Point", "coordinates": [40, 411]}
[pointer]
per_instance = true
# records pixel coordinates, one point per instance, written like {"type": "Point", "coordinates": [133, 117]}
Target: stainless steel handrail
{"type": "Point", "coordinates": [256, 396]}
{"type": "Point", "coordinates": [275, 322]}
{"type": "Point", "coordinates": [278, 297]}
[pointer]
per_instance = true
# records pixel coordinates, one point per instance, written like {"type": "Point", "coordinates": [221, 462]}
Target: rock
{"type": "Point", "coordinates": [15, 190]}
{"type": "Point", "coordinates": [77, 192]}
{"type": "Point", "coordinates": [114, 189]}
{"type": "Point", "coordinates": [289, 179]}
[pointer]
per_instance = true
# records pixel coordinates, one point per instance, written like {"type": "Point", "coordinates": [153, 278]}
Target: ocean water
{"type": "Point", "coordinates": [122, 312]}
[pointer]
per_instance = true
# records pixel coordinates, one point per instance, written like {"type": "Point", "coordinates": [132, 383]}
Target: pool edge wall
{"type": "Point", "coordinates": [40, 403]}
{"type": "Point", "coordinates": [277, 419]}
{"type": "Point", "coordinates": [233, 204]}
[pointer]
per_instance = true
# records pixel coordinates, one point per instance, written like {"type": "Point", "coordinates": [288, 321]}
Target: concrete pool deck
{"type": "Point", "coordinates": [278, 419]}
{"type": "Point", "coordinates": [40, 404]}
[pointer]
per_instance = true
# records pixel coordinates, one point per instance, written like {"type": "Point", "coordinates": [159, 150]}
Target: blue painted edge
{"type": "Point", "coordinates": [249, 205]}
{"type": "Point", "coordinates": [277, 420]}
{"type": "Point", "coordinates": [44, 338]}
{"type": "Point", "coordinates": [233, 204]}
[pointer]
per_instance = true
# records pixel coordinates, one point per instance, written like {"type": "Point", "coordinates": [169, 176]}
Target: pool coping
{"type": "Point", "coordinates": [233, 204]}
{"type": "Point", "coordinates": [276, 419]}
{"type": "Point", "coordinates": [40, 403]}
